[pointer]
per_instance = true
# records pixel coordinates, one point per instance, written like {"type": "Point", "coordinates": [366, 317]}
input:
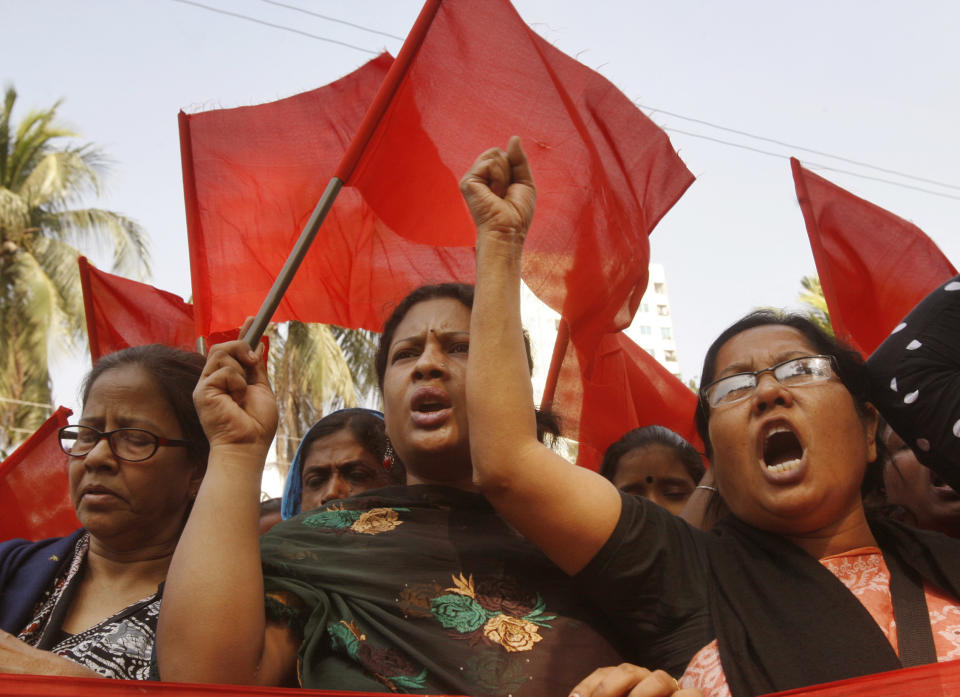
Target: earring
{"type": "Point", "coordinates": [389, 457]}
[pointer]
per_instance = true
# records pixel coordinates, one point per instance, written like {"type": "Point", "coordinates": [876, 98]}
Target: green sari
{"type": "Point", "coordinates": [425, 589]}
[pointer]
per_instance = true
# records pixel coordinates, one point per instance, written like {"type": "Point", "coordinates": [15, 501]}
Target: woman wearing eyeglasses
{"type": "Point", "coordinates": [799, 585]}
{"type": "Point", "coordinates": [87, 605]}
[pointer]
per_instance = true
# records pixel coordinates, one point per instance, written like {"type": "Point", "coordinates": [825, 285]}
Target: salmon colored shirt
{"type": "Point", "coordinates": [864, 572]}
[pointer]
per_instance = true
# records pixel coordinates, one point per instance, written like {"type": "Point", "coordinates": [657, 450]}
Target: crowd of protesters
{"type": "Point", "coordinates": [442, 547]}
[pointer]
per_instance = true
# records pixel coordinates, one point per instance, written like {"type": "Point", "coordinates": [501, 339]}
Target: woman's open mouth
{"type": "Point", "coordinates": [782, 451]}
{"type": "Point", "coordinates": [430, 407]}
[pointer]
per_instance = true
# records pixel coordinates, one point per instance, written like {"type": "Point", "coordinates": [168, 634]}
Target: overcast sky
{"type": "Point", "coordinates": [875, 82]}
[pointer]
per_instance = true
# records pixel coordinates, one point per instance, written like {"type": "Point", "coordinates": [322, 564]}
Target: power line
{"type": "Point", "coordinates": [814, 165]}
{"type": "Point", "coordinates": [276, 26]}
{"type": "Point", "coordinates": [333, 19]}
{"type": "Point", "coordinates": [799, 147]}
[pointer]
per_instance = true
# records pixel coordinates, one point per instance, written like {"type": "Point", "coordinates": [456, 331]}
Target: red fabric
{"type": "Point", "coordinates": [471, 75]}
{"type": "Point", "coordinates": [629, 389]}
{"type": "Point", "coordinates": [122, 313]}
{"type": "Point", "coordinates": [251, 179]}
{"type": "Point", "coordinates": [46, 686]}
{"type": "Point", "coordinates": [934, 680]}
{"type": "Point", "coordinates": [34, 486]}
{"type": "Point", "coordinates": [874, 267]}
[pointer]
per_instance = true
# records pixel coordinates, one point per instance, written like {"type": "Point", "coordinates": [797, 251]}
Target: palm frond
{"type": "Point", "coordinates": [101, 229]}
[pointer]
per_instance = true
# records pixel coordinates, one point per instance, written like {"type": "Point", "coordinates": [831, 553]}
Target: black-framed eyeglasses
{"type": "Point", "coordinates": [796, 372]}
{"type": "Point", "coordinates": [130, 444]}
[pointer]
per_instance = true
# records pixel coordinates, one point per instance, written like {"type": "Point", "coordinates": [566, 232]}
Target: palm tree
{"type": "Point", "coordinates": [316, 369]}
{"type": "Point", "coordinates": [44, 177]}
{"type": "Point", "coordinates": [816, 305]}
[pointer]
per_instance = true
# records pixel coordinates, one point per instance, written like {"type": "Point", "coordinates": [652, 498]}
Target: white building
{"type": "Point", "coordinates": [652, 327]}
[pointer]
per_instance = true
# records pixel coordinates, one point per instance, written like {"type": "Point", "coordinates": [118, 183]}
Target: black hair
{"type": "Point", "coordinates": [366, 427]}
{"type": "Point", "coordinates": [850, 370]}
{"type": "Point", "coordinates": [176, 373]}
{"type": "Point", "coordinates": [548, 424]}
{"type": "Point", "coordinates": [645, 437]}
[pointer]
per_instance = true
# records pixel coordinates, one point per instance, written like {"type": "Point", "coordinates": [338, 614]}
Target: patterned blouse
{"type": "Point", "coordinates": [425, 589]}
{"type": "Point", "coordinates": [119, 647]}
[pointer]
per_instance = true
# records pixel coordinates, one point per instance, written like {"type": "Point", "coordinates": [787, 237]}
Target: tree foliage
{"type": "Point", "coordinates": [44, 179]}
{"type": "Point", "coordinates": [316, 369]}
{"type": "Point", "coordinates": [814, 302]}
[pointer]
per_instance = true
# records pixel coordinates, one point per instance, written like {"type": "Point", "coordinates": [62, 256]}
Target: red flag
{"type": "Point", "coordinates": [627, 389]}
{"type": "Point", "coordinates": [874, 267]}
{"type": "Point", "coordinates": [251, 178]}
{"type": "Point", "coordinates": [122, 313]}
{"type": "Point", "coordinates": [35, 488]}
{"type": "Point", "coordinates": [469, 76]}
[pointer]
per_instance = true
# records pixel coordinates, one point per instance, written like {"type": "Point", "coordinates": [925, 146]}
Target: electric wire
{"type": "Point", "coordinates": [276, 26]}
{"type": "Point", "coordinates": [333, 19]}
{"type": "Point", "coordinates": [812, 165]}
{"type": "Point", "coordinates": [798, 147]}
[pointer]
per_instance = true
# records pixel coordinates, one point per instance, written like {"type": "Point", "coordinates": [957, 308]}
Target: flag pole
{"type": "Point", "coordinates": [290, 266]}
{"type": "Point", "coordinates": [556, 361]}
{"type": "Point", "coordinates": [351, 157]}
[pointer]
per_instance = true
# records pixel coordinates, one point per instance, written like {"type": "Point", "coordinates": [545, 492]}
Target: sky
{"type": "Point", "coordinates": [874, 82]}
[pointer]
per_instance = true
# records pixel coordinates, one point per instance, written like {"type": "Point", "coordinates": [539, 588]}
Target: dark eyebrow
{"type": "Point", "coordinates": [124, 422]}
{"type": "Point", "coordinates": [743, 367]}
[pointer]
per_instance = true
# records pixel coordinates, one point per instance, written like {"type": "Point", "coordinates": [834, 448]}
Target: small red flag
{"type": "Point", "coordinates": [874, 267]}
{"type": "Point", "coordinates": [35, 487]}
{"type": "Point", "coordinates": [122, 313]}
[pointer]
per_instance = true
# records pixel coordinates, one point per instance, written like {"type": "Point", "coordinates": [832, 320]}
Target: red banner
{"type": "Point", "coordinates": [934, 680]}
{"type": "Point", "coordinates": [35, 488]}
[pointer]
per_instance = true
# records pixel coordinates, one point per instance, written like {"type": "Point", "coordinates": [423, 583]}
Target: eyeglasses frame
{"type": "Point", "coordinates": [702, 393]}
{"type": "Point", "coordinates": [160, 441]}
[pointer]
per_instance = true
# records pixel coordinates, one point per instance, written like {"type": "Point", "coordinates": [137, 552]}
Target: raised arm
{"type": "Point", "coordinates": [568, 511]}
{"type": "Point", "coordinates": [212, 626]}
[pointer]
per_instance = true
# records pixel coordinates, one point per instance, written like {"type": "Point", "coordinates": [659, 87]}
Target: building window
{"type": "Point", "coordinates": [659, 288]}
{"type": "Point", "coordinates": [663, 310]}
{"type": "Point", "coordinates": [644, 307]}
{"type": "Point", "coordinates": [652, 352]}
{"type": "Point", "coordinates": [669, 355]}
{"type": "Point", "coordinates": [645, 331]}
{"type": "Point", "coordinates": [665, 333]}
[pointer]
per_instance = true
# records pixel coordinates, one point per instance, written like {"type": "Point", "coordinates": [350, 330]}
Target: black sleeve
{"type": "Point", "coordinates": [915, 381]}
{"type": "Point", "coordinates": [650, 580]}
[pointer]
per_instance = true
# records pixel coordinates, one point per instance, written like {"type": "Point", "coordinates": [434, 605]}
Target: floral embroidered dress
{"type": "Point", "coordinates": [425, 589]}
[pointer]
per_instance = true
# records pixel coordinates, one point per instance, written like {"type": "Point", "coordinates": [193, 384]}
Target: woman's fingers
{"type": "Point", "coordinates": [499, 190]}
{"type": "Point", "coordinates": [628, 680]}
{"type": "Point", "coordinates": [611, 681]}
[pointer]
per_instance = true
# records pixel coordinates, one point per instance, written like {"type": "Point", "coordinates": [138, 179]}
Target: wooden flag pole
{"type": "Point", "coordinates": [290, 266]}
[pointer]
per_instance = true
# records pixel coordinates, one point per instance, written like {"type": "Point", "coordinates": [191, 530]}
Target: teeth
{"type": "Point", "coordinates": [785, 466]}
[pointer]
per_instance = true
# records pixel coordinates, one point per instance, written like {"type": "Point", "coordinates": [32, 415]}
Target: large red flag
{"type": "Point", "coordinates": [122, 313]}
{"type": "Point", "coordinates": [251, 178]}
{"type": "Point", "coordinates": [874, 267]}
{"type": "Point", "coordinates": [34, 486]}
{"type": "Point", "coordinates": [469, 76]}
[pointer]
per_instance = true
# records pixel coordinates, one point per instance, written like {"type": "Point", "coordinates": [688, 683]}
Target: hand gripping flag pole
{"type": "Point", "coordinates": [344, 171]}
